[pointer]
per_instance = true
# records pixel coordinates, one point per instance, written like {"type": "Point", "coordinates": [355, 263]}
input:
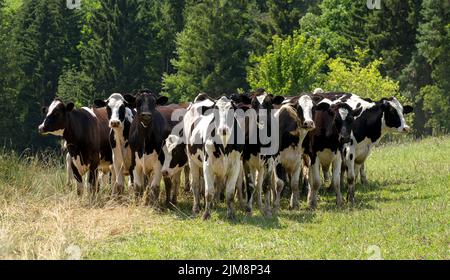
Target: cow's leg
{"type": "Point", "coordinates": [363, 174]}
{"type": "Point", "coordinates": [168, 187]}
{"type": "Point", "coordinates": [176, 178]}
{"type": "Point", "coordinates": [239, 187]}
{"type": "Point", "coordinates": [69, 171]}
{"type": "Point", "coordinates": [266, 187]}
{"type": "Point", "coordinates": [139, 180]}
{"type": "Point", "coordinates": [155, 185]}
{"type": "Point", "coordinates": [209, 188]}
{"type": "Point", "coordinates": [280, 181]}
{"type": "Point", "coordinates": [93, 181]}
{"type": "Point", "coordinates": [314, 177]}
{"type": "Point", "coordinates": [258, 187]}
{"type": "Point", "coordinates": [78, 178]}
{"type": "Point", "coordinates": [118, 184]}
{"type": "Point", "coordinates": [295, 196]}
{"type": "Point", "coordinates": [250, 187]}
{"type": "Point", "coordinates": [195, 186]}
{"type": "Point", "coordinates": [230, 188]}
{"type": "Point", "coordinates": [351, 181]}
{"type": "Point", "coordinates": [336, 183]}
{"type": "Point", "coordinates": [187, 186]}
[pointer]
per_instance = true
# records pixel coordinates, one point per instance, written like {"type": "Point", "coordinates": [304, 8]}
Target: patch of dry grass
{"type": "Point", "coordinates": [41, 219]}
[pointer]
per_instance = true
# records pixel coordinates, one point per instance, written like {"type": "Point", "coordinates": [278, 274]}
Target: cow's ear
{"type": "Point", "coordinates": [162, 100]}
{"type": "Point", "coordinates": [357, 112]}
{"type": "Point", "coordinates": [407, 109]}
{"type": "Point", "coordinates": [277, 100]}
{"type": "Point", "coordinates": [44, 110]}
{"type": "Point", "coordinates": [130, 99]}
{"type": "Point", "coordinates": [323, 106]}
{"type": "Point", "coordinates": [69, 107]}
{"type": "Point", "coordinates": [100, 103]}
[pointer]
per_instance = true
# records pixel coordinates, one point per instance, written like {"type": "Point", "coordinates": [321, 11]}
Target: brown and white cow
{"type": "Point", "coordinates": [86, 133]}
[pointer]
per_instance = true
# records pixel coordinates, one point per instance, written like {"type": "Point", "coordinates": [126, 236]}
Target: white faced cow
{"type": "Point", "coordinates": [295, 120]}
{"type": "Point", "coordinates": [120, 117]}
{"type": "Point", "coordinates": [213, 145]}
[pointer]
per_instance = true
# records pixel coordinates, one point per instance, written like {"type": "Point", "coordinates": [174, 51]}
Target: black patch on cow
{"type": "Point", "coordinates": [351, 156]}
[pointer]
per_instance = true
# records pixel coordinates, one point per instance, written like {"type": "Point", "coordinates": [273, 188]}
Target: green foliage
{"type": "Point", "coordinates": [437, 104]}
{"type": "Point", "coordinates": [290, 66]}
{"type": "Point", "coordinates": [212, 50]}
{"type": "Point", "coordinates": [350, 76]}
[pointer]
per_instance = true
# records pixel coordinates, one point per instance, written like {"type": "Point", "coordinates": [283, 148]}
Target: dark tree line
{"type": "Point", "coordinates": [181, 47]}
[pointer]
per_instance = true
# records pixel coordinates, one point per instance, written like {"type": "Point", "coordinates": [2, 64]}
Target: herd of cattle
{"type": "Point", "coordinates": [239, 145]}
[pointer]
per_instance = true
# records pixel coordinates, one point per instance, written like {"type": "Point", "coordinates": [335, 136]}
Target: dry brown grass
{"type": "Point", "coordinates": [40, 219]}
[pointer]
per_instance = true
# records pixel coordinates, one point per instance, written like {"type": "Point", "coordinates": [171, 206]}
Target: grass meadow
{"type": "Point", "coordinates": [403, 213]}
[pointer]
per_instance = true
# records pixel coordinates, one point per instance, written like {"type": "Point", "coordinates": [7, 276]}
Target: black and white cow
{"type": "Point", "coordinates": [120, 117]}
{"type": "Point", "coordinates": [258, 159]}
{"type": "Point", "coordinates": [295, 120]}
{"type": "Point", "coordinates": [173, 157]}
{"type": "Point", "coordinates": [147, 133]}
{"type": "Point", "coordinates": [324, 144]}
{"type": "Point", "coordinates": [216, 142]}
{"type": "Point", "coordinates": [376, 120]}
{"type": "Point", "coordinates": [86, 134]}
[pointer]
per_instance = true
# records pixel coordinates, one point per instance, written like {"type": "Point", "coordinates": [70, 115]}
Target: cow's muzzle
{"type": "Point", "coordinates": [308, 124]}
{"type": "Point", "coordinates": [114, 124]}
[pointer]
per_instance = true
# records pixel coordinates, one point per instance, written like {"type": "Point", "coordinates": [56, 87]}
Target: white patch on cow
{"type": "Point", "coordinates": [291, 158]}
{"type": "Point", "coordinates": [261, 98]}
{"type": "Point", "coordinates": [318, 90]}
{"type": "Point", "coordinates": [59, 132]}
{"type": "Point", "coordinates": [354, 100]}
{"type": "Point", "coordinates": [53, 106]}
{"type": "Point", "coordinates": [90, 111]}
{"type": "Point", "coordinates": [306, 103]}
{"type": "Point", "coordinates": [82, 169]}
{"type": "Point", "coordinates": [399, 108]}
{"type": "Point", "coordinates": [224, 106]}
{"type": "Point", "coordinates": [343, 112]}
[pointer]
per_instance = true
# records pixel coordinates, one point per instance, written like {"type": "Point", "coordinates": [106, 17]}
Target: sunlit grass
{"type": "Point", "coordinates": [404, 211]}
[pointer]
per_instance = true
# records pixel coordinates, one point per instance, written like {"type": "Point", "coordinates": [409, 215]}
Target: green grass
{"type": "Point", "coordinates": [404, 211]}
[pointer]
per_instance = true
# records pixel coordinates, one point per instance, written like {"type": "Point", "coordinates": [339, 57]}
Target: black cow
{"type": "Point", "coordinates": [147, 133]}
{"type": "Point", "coordinates": [86, 132]}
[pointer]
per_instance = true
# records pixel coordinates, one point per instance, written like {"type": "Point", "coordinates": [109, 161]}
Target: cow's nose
{"type": "Point", "coordinates": [308, 124]}
{"type": "Point", "coordinates": [41, 129]}
{"type": "Point", "coordinates": [165, 173]}
{"type": "Point", "coordinates": [114, 123]}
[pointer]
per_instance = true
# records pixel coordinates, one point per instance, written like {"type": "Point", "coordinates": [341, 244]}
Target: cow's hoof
{"type": "Point", "coordinates": [294, 207]}
{"type": "Point", "coordinates": [312, 205]}
{"type": "Point", "coordinates": [206, 216]}
{"type": "Point", "coordinates": [231, 217]}
{"type": "Point", "coordinates": [351, 200]}
{"type": "Point", "coordinates": [267, 213]}
{"type": "Point", "coordinates": [195, 210]}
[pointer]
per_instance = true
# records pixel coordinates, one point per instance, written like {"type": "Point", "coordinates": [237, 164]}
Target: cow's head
{"type": "Point", "coordinates": [55, 117]}
{"type": "Point", "coordinates": [145, 103]}
{"type": "Point", "coordinates": [224, 110]}
{"type": "Point", "coordinates": [305, 109]}
{"type": "Point", "coordinates": [393, 113]}
{"type": "Point", "coordinates": [174, 155]}
{"type": "Point", "coordinates": [117, 109]}
{"type": "Point", "coordinates": [338, 118]}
